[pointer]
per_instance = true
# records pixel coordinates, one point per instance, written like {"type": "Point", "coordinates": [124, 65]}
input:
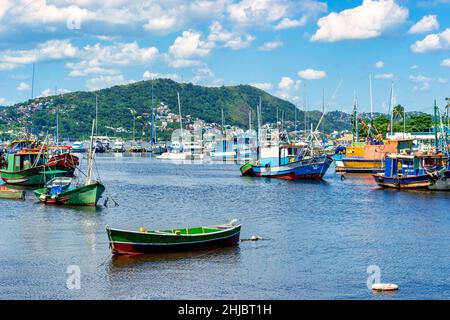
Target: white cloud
{"type": "Point", "coordinates": [3, 101]}
{"type": "Point", "coordinates": [445, 63]}
{"type": "Point", "coordinates": [49, 50]}
{"type": "Point", "coordinates": [189, 44]}
{"type": "Point", "coordinates": [311, 74]}
{"type": "Point", "coordinates": [262, 85]}
{"type": "Point", "coordinates": [280, 14]}
{"type": "Point", "coordinates": [379, 64]}
{"type": "Point", "coordinates": [51, 92]}
{"type": "Point", "coordinates": [415, 66]}
{"type": "Point", "coordinates": [227, 39]}
{"type": "Point", "coordinates": [287, 23]}
{"type": "Point", "coordinates": [287, 88]}
{"type": "Point", "coordinates": [384, 76]}
{"type": "Point", "coordinates": [182, 63]}
{"type": "Point", "coordinates": [98, 60]}
{"type": "Point", "coordinates": [163, 23]}
{"type": "Point", "coordinates": [102, 82]}
{"type": "Point", "coordinates": [426, 24]}
{"type": "Point", "coordinates": [155, 75]}
{"type": "Point", "coordinates": [23, 86]}
{"type": "Point", "coordinates": [423, 83]}
{"type": "Point", "coordinates": [369, 20]}
{"type": "Point", "coordinates": [271, 45]}
{"type": "Point", "coordinates": [433, 42]}
{"type": "Point", "coordinates": [285, 83]}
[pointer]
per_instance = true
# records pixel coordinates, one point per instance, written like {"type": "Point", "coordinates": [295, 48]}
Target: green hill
{"type": "Point", "coordinates": [77, 109]}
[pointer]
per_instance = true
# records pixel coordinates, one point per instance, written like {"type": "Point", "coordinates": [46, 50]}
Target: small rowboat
{"type": "Point", "coordinates": [12, 194]}
{"type": "Point", "coordinates": [186, 239]}
{"type": "Point", "coordinates": [384, 287]}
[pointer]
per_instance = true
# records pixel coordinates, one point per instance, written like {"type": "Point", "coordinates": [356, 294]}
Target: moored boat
{"type": "Point", "coordinates": [124, 242]}
{"type": "Point", "coordinates": [12, 194]}
{"type": "Point", "coordinates": [247, 169]}
{"type": "Point", "coordinates": [28, 167]}
{"type": "Point", "coordinates": [290, 162]}
{"type": "Point", "coordinates": [402, 171]}
{"type": "Point", "coordinates": [62, 191]}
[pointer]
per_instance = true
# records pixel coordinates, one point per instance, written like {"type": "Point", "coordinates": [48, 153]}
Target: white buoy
{"type": "Point", "coordinates": [384, 287]}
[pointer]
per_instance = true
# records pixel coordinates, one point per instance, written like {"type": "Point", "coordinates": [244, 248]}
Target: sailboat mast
{"type": "Point", "coordinates": [179, 112]}
{"type": "Point", "coordinates": [436, 142]}
{"type": "Point", "coordinates": [90, 155]}
{"type": "Point", "coordinates": [371, 105]}
{"type": "Point", "coordinates": [96, 114]}
{"type": "Point", "coordinates": [392, 109]}
{"type": "Point", "coordinates": [152, 129]}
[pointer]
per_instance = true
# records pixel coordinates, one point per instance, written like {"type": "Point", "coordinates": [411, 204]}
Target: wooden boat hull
{"type": "Point", "coordinates": [247, 169]}
{"type": "Point", "coordinates": [129, 242]}
{"type": "Point", "coordinates": [313, 169]}
{"type": "Point", "coordinates": [407, 182]}
{"type": "Point", "coordinates": [34, 176]}
{"type": "Point", "coordinates": [354, 165]}
{"type": "Point", "coordinates": [79, 196]}
{"type": "Point", "coordinates": [11, 194]}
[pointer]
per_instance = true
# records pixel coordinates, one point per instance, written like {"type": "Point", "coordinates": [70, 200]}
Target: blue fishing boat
{"type": "Point", "coordinates": [290, 162]}
{"type": "Point", "coordinates": [428, 172]}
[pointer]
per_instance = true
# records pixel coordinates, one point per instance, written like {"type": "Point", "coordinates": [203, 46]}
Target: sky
{"type": "Point", "coordinates": [309, 50]}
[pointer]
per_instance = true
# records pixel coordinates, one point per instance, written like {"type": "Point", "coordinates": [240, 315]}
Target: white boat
{"type": "Point", "coordinates": [193, 150]}
{"type": "Point", "coordinates": [171, 156]}
{"type": "Point", "coordinates": [118, 146]}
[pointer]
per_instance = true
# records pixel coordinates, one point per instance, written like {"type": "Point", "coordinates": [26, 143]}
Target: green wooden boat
{"type": "Point", "coordinates": [247, 169]}
{"type": "Point", "coordinates": [61, 191]}
{"type": "Point", "coordinates": [125, 242]}
{"type": "Point", "coordinates": [84, 195]}
{"type": "Point", "coordinates": [29, 168]}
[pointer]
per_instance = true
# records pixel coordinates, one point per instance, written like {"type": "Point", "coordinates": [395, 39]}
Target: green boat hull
{"type": "Point", "coordinates": [33, 176]}
{"type": "Point", "coordinates": [247, 169]}
{"type": "Point", "coordinates": [79, 196]}
{"type": "Point", "coordinates": [130, 242]}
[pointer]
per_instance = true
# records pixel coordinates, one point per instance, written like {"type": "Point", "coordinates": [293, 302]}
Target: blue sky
{"type": "Point", "coordinates": [281, 46]}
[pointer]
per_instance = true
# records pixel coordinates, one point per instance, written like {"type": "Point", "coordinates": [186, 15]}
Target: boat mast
{"type": "Point", "coordinates": [371, 106]}
{"type": "Point", "coordinates": [392, 106]}
{"type": "Point", "coordinates": [152, 124]}
{"type": "Point", "coordinates": [32, 84]}
{"type": "Point", "coordinates": [96, 114]}
{"type": "Point", "coordinates": [90, 155]}
{"type": "Point", "coordinates": [436, 142]}
{"type": "Point", "coordinates": [355, 119]}
{"type": "Point", "coordinates": [181, 121]}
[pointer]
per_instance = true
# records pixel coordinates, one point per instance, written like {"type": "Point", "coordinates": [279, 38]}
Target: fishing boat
{"type": "Point", "coordinates": [126, 242]}
{"type": "Point", "coordinates": [289, 162]}
{"type": "Point", "coordinates": [78, 147]}
{"type": "Point", "coordinates": [403, 172]}
{"type": "Point", "coordinates": [62, 191]}
{"type": "Point", "coordinates": [368, 157]}
{"type": "Point", "coordinates": [28, 166]}
{"type": "Point", "coordinates": [426, 172]}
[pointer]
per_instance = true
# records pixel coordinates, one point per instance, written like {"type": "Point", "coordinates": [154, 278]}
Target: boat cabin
{"type": "Point", "coordinates": [280, 155]}
{"type": "Point", "coordinates": [21, 161]}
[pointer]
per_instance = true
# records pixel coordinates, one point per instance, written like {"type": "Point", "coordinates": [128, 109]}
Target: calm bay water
{"type": "Point", "coordinates": [321, 238]}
